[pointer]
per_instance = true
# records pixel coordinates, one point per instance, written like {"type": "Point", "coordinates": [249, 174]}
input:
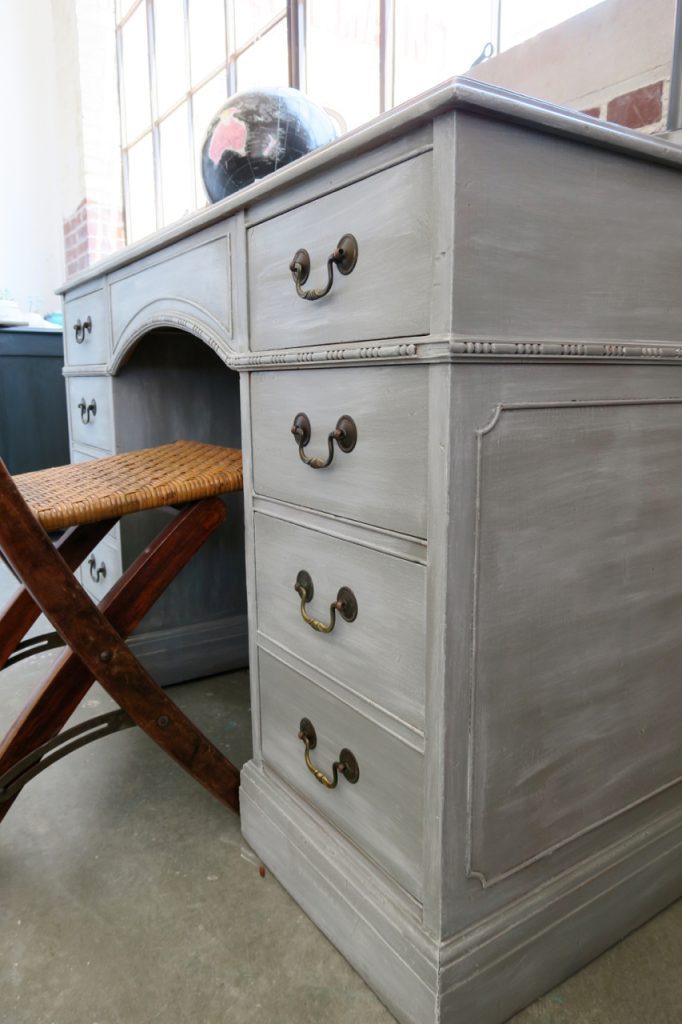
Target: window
{"type": "Point", "coordinates": [179, 60]}
{"type": "Point", "coordinates": [521, 19]}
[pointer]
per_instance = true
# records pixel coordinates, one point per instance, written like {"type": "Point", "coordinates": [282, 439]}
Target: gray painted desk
{"type": "Point", "coordinates": [504, 697]}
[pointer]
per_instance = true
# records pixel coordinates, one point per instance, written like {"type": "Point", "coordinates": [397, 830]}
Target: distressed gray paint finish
{"type": "Point", "coordinates": [198, 272]}
{"type": "Point", "coordinates": [392, 262]}
{"type": "Point", "coordinates": [94, 348]}
{"type": "Point", "coordinates": [173, 387]}
{"type": "Point", "coordinates": [557, 240]}
{"type": "Point", "coordinates": [94, 428]}
{"type": "Point", "coordinates": [389, 406]}
{"type": "Point", "coordinates": [576, 660]}
{"type": "Point", "coordinates": [381, 813]}
{"type": "Point", "coordinates": [381, 654]}
{"type": "Point", "coordinates": [546, 252]}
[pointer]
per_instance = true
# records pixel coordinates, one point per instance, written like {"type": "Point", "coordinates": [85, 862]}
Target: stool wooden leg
{"type": "Point", "coordinates": [93, 638]}
{"type": "Point", "coordinates": [125, 606]}
{"type": "Point", "coordinates": [21, 611]}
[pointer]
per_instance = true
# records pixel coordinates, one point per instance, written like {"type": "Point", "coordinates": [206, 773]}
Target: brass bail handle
{"type": "Point", "coordinates": [97, 573]}
{"type": "Point", "coordinates": [344, 435]}
{"type": "Point", "coordinates": [81, 327]}
{"type": "Point", "coordinates": [344, 258]}
{"type": "Point", "coordinates": [88, 409]}
{"type": "Point", "coordinates": [346, 765]}
{"type": "Point", "coordinates": [346, 604]}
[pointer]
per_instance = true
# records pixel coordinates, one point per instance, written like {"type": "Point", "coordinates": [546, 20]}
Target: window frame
{"type": "Point", "coordinates": [295, 14]}
{"type": "Point", "coordinates": [228, 67]}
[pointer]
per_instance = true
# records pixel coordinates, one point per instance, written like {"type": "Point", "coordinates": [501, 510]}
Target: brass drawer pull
{"type": "Point", "coordinates": [345, 434]}
{"type": "Point", "coordinates": [96, 574]}
{"type": "Point", "coordinates": [344, 258]}
{"type": "Point", "coordinates": [346, 604]}
{"type": "Point", "coordinates": [80, 329]}
{"type": "Point", "coordinates": [347, 763]}
{"type": "Point", "coordinates": [88, 411]}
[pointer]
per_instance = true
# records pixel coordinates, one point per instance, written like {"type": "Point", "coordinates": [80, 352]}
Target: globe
{"type": "Point", "coordinates": [256, 132]}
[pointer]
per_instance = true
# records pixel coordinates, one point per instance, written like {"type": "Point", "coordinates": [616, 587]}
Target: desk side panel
{"type": "Point", "coordinates": [557, 240]}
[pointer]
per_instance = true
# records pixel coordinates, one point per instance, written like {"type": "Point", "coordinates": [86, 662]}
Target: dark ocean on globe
{"type": "Point", "coordinates": [257, 132]}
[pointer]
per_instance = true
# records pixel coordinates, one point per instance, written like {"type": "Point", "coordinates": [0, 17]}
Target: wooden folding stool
{"type": "Point", "coordinates": [87, 500]}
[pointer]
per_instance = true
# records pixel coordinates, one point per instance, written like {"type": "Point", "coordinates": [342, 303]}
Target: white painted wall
{"type": "Point", "coordinates": [31, 237]}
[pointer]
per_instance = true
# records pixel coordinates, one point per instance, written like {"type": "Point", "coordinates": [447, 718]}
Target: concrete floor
{"type": "Point", "coordinates": [128, 897]}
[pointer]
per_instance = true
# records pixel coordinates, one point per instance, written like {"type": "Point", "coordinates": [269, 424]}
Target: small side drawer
{"type": "Point", "coordinates": [382, 811]}
{"type": "Point", "coordinates": [381, 653]}
{"type": "Point", "coordinates": [382, 481]}
{"type": "Point", "coordinates": [86, 329]}
{"type": "Point", "coordinates": [102, 568]}
{"type": "Point", "coordinates": [387, 294]}
{"type": "Point", "coordinates": [90, 411]}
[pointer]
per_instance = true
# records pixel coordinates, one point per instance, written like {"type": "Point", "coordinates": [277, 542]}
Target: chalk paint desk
{"type": "Point", "coordinates": [464, 566]}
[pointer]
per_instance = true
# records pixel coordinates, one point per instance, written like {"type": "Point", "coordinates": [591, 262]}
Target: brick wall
{"type": "Point", "coordinates": [93, 231]}
{"type": "Point", "coordinates": [91, 162]}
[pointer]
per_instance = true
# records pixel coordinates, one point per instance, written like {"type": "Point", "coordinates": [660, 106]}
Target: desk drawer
{"type": "Point", "coordinates": [86, 329]}
{"type": "Point", "coordinates": [381, 653]}
{"type": "Point", "coordinates": [386, 295]}
{"type": "Point", "coordinates": [382, 811]}
{"type": "Point", "coordinates": [90, 411]}
{"type": "Point", "coordinates": [382, 481]}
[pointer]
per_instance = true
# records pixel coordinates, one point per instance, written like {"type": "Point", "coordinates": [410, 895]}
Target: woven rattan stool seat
{"type": "Point", "coordinates": [111, 487]}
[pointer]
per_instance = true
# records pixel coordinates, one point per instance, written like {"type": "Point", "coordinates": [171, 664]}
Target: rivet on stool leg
{"type": "Point", "coordinates": [105, 656]}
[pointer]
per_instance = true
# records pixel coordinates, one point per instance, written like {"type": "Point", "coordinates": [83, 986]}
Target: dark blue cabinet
{"type": "Point", "coordinates": [33, 424]}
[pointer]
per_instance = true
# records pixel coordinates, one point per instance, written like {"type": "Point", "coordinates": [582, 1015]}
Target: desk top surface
{"type": "Point", "coordinates": [455, 94]}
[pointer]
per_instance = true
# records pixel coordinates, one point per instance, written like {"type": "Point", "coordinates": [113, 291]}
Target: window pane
{"type": "Point", "coordinates": [170, 53]}
{"type": "Point", "coordinates": [135, 71]}
{"type": "Point", "coordinates": [344, 34]}
{"type": "Point", "coordinates": [266, 63]}
{"type": "Point", "coordinates": [435, 41]}
{"type": "Point", "coordinates": [176, 165]}
{"type": "Point", "coordinates": [206, 36]}
{"type": "Point", "coordinates": [250, 16]}
{"type": "Point", "coordinates": [141, 209]}
{"type": "Point", "coordinates": [206, 102]}
{"type": "Point", "coordinates": [522, 19]}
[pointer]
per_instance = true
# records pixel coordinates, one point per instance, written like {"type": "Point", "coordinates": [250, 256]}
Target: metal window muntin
{"type": "Point", "coordinates": [157, 116]}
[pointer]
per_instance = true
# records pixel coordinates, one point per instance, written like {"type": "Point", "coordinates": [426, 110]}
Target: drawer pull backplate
{"type": "Point", "coordinates": [344, 258]}
{"type": "Point", "coordinates": [347, 763]}
{"type": "Point", "coordinates": [345, 434]}
{"type": "Point", "coordinates": [81, 327]}
{"type": "Point", "coordinates": [346, 604]}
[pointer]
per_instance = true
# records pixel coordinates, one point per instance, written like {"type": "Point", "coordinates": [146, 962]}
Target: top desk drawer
{"type": "Point", "coordinates": [386, 295]}
{"type": "Point", "coordinates": [86, 329]}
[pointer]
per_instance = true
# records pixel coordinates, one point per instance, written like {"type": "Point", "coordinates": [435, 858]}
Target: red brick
{"type": "Point", "coordinates": [592, 111]}
{"type": "Point", "coordinates": [94, 230]}
{"type": "Point", "coordinates": [638, 108]}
